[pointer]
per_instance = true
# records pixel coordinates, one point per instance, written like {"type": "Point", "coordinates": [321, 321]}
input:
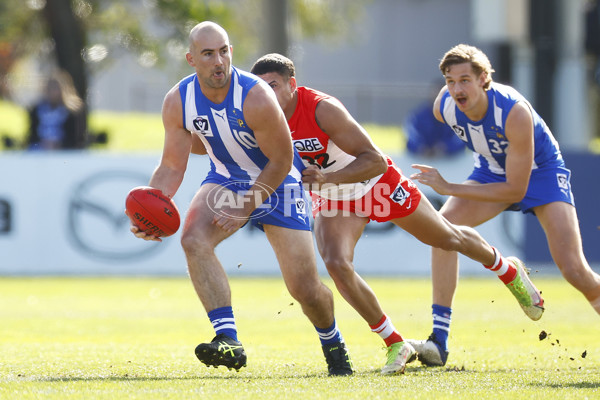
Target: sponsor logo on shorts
{"type": "Point", "coordinates": [399, 195]}
{"type": "Point", "coordinates": [563, 185]}
{"type": "Point", "coordinates": [300, 206]}
{"type": "Point", "coordinates": [318, 203]}
{"type": "Point", "coordinates": [563, 181]}
{"type": "Point", "coordinates": [378, 204]}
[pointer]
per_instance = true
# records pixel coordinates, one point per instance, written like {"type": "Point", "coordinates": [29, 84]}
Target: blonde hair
{"type": "Point", "coordinates": [463, 53]}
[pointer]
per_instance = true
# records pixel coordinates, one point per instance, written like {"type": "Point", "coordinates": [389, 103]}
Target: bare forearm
{"type": "Point", "coordinates": [166, 179]}
{"type": "Point", "coordinates": [500, 192]}
{"type": "Point", "coordinates": [269, 179]}
{"type": "Point", "coordinates": [365, 166]}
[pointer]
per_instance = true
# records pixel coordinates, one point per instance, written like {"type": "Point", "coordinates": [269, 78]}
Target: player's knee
{"type": "Point", "coordinates": [305, 293]}
{"type": "Point", "coordinates": [193, 244]}
{"type": "Point", "coordinates": [338, 267]}
{"type": "Point", "coordinates": [578, 277]}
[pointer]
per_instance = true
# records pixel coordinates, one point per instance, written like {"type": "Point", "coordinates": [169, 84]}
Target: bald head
{"type": "Point", "coordinates": [207, 30]}
{"type": "Point", "coordinates": [210, 55]}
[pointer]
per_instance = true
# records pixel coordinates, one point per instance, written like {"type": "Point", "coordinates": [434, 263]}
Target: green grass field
{"type": "Point", "coordinates": [133, 338]}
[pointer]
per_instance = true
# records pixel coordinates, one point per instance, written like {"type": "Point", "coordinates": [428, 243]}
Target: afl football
{"type": "Point", "coordinates": [152, 212]}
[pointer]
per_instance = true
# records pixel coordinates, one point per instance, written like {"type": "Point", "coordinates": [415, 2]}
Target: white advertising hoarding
{"type": "Point", "coordinates": [62, 213]}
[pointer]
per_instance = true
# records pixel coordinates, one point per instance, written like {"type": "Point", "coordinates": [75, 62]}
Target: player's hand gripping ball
{"type": "Point", "coordinates": [152, 212]}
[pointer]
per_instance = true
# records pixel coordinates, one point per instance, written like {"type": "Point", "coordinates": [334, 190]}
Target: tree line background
{"type": "Point", "coordinates": [83, 36]}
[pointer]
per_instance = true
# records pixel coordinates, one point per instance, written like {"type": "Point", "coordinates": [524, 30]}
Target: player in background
{"type": "Point", "coordinates": [518, 166]}
{"type": "Point", "coordinates": [237, 121]}
{"type": "Point", "coordinates": [352, 183]}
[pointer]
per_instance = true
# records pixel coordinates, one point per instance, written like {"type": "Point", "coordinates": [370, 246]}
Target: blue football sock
{"type": "Point", "coordinates": [330, 335]}
{"type": "Point", "coordinates": [441, 324]}
{"type": "Point", "coordinates": [223, 321]}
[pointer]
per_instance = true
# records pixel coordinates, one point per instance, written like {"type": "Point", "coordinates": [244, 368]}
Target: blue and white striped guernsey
{"type": "Point", "coordinates": [487, 137]}
{"type": "Point", "coordinates": [231, 145]}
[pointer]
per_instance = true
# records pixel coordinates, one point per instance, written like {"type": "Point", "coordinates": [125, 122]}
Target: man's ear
{"type": "Point", "coordinates": [483, 78]}
{"type": "Point", "coordinates": [293, 83]}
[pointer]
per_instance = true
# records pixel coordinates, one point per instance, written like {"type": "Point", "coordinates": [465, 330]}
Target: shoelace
{"type": "Point", "coordinates": [225, 348]}
{"type": "Point", "coordinates": [391, 356]}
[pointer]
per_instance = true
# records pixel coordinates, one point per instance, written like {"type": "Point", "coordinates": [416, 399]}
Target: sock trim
{"type": "Point", "coordinates": [223, 321]}
{"type": "Point", "coordinates": [329, 335]}
{"type": "Point", "coordinates": [386, 330]}
{"type": "Point", "coordinates": [497, 260]}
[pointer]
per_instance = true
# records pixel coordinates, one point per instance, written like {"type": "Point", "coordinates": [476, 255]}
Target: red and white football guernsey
{"type": "Point", "coordinates": [316, 148]}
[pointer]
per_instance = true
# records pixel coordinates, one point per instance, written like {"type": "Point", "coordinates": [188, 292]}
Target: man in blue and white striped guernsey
{"type": "Point", "coordinates": [518, 166]}
{"type": "Point", "coordinates": [255, 177]}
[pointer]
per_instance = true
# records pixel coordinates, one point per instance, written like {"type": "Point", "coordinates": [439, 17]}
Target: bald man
{"type": "Point", "coordinates": [234, 117]}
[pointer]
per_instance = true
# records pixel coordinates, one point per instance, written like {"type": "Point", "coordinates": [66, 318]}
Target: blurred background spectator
{"type": "Point", "coordinates": [57, 121]}
{"type": "Point", "coordinates": [428, 137]}
{"type": "Point", "coordinates": [592, 36]}
{"type": "Point", "coordinates": [592, 47]}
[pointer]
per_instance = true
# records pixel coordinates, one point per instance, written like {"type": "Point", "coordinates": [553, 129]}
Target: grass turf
{"type": "Point", "coordinates": [133, 338]}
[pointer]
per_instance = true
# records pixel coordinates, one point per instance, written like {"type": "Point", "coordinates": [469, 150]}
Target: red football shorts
{"type": "Point", "coordinates": [393, 196]}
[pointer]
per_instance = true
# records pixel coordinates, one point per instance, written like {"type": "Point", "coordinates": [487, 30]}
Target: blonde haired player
{"type": "Point", "coordinates": [518, 166]}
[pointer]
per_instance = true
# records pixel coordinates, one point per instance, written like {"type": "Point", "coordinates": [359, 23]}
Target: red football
{"type": "Point", "coordinates": [151, 211]}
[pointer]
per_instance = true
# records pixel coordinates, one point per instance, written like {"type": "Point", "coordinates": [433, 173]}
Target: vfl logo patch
{"type": "Point", "coordinates": [399, 195]}
{"type": "Point", "coordinates": [300, 206]}
{"type": "Point", "coordinates": [563, 181]}
{"type": "Point", "coordinates": [202, 125]}
{"type": "Point", "coordinates": [460, 132]}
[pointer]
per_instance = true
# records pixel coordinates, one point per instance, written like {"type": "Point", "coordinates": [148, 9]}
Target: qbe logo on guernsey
{"type": "Point", "coordinates": [308, 145]}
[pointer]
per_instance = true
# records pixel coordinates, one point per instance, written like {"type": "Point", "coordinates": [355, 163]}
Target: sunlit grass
{"type": "Point", "coordinates": [133, 338]}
